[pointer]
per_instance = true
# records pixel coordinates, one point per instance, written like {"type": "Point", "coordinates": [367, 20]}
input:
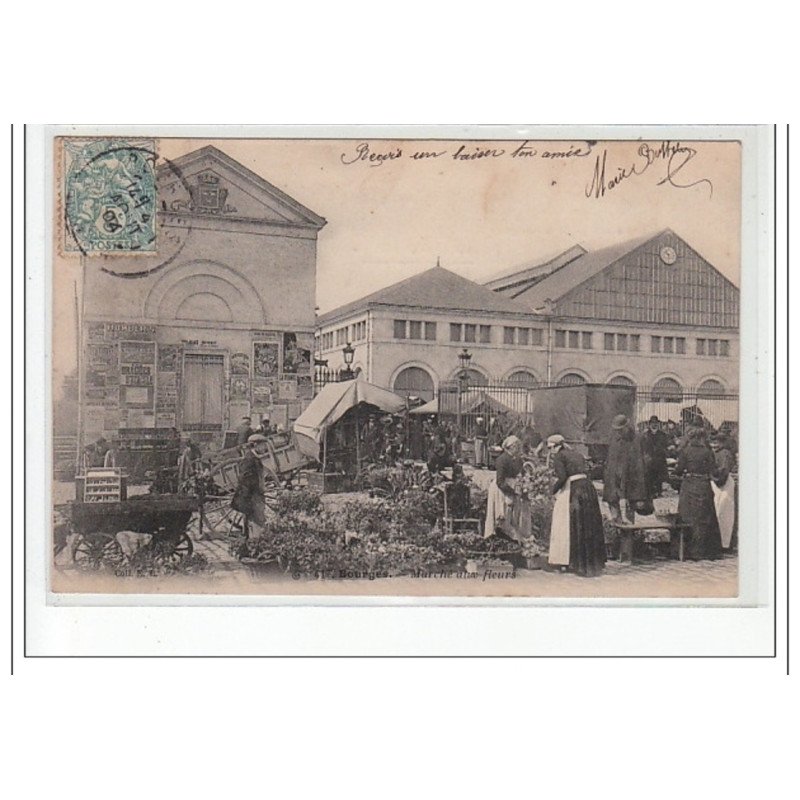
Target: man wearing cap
{"type": "Point", "coordinates": [624, 477]}
{"type": "Point", "coordinates": [243, 432]}
{"type": "Point", "coordinates": [654, 448]}
{"type": "Point", "coordinates": [248, 498]}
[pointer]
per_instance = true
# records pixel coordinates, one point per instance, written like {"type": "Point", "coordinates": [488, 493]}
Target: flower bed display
{"type": "Point", "coordinates": [401, 535]}
{"type": "Point", "coordinates": [364, 536]}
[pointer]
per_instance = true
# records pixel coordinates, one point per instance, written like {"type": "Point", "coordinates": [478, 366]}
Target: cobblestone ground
{"type": "Point", "coordinates": [652, 578]}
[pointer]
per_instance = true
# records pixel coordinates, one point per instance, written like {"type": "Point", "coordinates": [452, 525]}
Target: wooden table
{"type": "Point", "coordinates": [627, 531]}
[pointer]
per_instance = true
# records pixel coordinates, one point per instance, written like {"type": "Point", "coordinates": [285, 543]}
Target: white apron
{"type": "Point", "coordinates": [498, 509]}
{"type": "Point", "coordinates": [559, 527]}
{"type": "Point", "coordinates": [725, 506]}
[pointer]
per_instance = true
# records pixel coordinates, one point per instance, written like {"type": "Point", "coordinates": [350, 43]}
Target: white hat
{"type": "Point", "coordinates": [555, 440]}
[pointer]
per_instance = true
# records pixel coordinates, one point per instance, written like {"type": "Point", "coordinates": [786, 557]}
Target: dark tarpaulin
{"type": "Point", "coordinates": [582, 413]}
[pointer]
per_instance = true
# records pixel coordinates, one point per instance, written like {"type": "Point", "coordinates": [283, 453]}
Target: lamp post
{"type": "Point", "coordinates": [464, 359]}
{"type": "Point", "coordinates": [348, 351]}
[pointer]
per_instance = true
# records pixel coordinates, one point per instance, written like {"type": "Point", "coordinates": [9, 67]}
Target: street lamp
{"type": "Point", "coordinates": [348, 351]}
{"type": "Point", "coordinates": [464, 359]}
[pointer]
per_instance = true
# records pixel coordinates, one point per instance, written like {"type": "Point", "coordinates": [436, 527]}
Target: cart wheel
{"type": "Point", "coordinates": [172, 549]}
{"type": "Point", "coordinates": [217, 518]}
{"type": "Point", "coordinates": [98, 552]}
{"type": "Point", "coordinates": [272, 487]}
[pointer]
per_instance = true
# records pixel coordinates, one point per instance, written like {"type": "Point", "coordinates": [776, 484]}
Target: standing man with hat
{"type": "Point", "coordinates": [654, 447]}
{"type": "Point", "coordinates": [624, 477]}
{"type": "Point", "coordinates": [248, 499]}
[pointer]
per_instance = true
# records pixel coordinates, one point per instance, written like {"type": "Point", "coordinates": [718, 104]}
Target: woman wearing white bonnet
{"type": "Point", "coordinates": [502, 504]}
{"type": "Point", "coordinates": [576, 531]}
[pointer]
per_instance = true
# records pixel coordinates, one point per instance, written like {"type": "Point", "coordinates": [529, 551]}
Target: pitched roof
{"type": "Point", "coordinates": [307, 216]}
{"type": "Point", "coordinates": [515, 280]}
{"type": "Point", "coordinates": [578, 271]}
{"type": "Point", "coordinates": [436, 288]}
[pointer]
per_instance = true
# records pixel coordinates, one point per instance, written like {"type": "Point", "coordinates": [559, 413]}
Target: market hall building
{"type": "Point", "coordinates": [650, 312]}
{"type": "Point", "coordinates": [217, 325]}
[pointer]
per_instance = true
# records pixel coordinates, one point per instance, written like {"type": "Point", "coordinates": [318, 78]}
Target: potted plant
{"type": "Point", "coordinates": [533, 554]}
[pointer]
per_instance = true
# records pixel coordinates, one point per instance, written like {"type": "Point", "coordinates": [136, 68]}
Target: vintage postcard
{"type": "Point", "coordinates": [432, 367]}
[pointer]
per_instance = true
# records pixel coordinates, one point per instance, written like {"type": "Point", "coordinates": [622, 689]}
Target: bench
{"type": "Point", "coordinates": [628, 530]}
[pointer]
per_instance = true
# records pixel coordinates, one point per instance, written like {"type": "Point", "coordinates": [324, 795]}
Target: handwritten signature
{"type": "Point", "coordinates": [674, 154]}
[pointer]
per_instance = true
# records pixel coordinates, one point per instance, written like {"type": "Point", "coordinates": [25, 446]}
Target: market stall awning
{"type": "Point", "coordinates": [431, 407]}
{"type": "Point", "coordinates": [332, 403]}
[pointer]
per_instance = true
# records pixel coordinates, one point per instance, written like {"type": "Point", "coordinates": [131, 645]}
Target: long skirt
{"type": "Point", "coordinates": [696, 509]}
{"type": "Point", "coordinates": [576, 537]}
{"type": "Point", "coordinates": [725, 507]}
{"type": "Point", "coordinates": [510, 516]}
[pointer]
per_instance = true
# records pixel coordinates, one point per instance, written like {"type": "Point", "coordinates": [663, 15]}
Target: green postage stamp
{"type": "Point", "coordinates": [108, 191]}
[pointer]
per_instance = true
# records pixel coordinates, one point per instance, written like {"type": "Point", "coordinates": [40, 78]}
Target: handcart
{"type": "Point", "coordinates": [213, 480]}
{"type": "Point", "coordinates": [96, 525]}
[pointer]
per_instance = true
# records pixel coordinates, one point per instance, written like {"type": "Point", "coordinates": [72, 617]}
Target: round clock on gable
{"type": "Point", "coordinates": [668, 255]}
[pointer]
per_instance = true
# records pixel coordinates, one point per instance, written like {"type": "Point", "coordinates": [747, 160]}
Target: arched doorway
{"type": "Point", "coordinates": [710, 388]}
{"type": "Point", "coordinates": [621, 380]}
{"type": "Point", "coordinates": [523, 377]}
{"type": "Point", "coordinates": [414, 382]}
{"type": "Point", "coordinates": [667, 390]}
{"type": "Point", "coordinates": [571, 379]}
{"type": "Point", "coordinates": [472, 377]}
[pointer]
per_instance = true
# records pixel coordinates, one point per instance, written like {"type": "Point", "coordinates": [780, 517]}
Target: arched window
{"type": "Point", "coordinates": [523, 378]}
{"type": "Point", "coordinates": [205, 306]}
{"type": "Point", "coordinates": [414, 382]}
{"type": "Point", "coordinates": [571, 379]}
{"type": "Point", "coordinates": [667, 390]}
{"type": "Point", "coordinates": [710, 388]}
{"type": "Point", "coordinates": [473, 377]}
{"type": "Point", "coordinates": [621, 380]}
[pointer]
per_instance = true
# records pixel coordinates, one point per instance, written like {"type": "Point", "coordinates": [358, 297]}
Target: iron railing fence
{"type": "Point", "coordinates": [462, 404]}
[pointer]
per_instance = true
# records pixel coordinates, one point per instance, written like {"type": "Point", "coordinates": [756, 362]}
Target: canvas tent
{"type": "Point", "coordinates": [332, 403]}
{"type": "Point", "coordinates": [582, 413]}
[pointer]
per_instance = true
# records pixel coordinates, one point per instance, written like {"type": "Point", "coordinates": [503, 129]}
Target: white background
{"type": "Point", "coordinates": [638, 727]}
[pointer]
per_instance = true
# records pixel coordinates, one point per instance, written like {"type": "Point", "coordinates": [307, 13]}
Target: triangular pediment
{"type": "Point", "coordinates": [209, 183]}
{"type": "Point", "coordinates": [661, 280]}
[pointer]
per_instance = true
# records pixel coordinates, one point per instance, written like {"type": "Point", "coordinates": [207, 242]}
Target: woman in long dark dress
{"type": "Point", "coordinates": [696, 465]}
{"type": "Point", "coordinates": [576, 533]}
{"type": "Point", "coordinates": [503, 503]}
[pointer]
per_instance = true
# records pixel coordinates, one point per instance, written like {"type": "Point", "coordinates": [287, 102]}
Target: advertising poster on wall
{"type": "Point", "coordinates": [265, 359]}
{"type": "Point", "coordinates": [287, 388]}
{"type": "Point", "coordinates": [240, 364]}
{"type": "Point", "coordinates": [297, 353]}
{"type": "Point", "coordinates": [167, 357]}
{"type": "Point", "coordinates": [240, 388]}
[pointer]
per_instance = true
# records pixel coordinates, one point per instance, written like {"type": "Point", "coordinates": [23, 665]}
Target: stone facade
{"type": "Point", "coordinates": [642, 326]}
{"type": "Point", "coordinates": [218, 324]}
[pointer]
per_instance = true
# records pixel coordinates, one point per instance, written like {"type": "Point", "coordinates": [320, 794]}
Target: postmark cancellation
{"type": "Point", "coordinates": [107, 192]}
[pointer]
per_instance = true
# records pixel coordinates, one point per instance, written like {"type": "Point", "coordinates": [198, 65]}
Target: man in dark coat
{"type": "Point", "coordinates": [654, 447]}
{"type": "Point", "coordinates": [248, 498]}
{"type": "Point", "coordinates": [624, 477]}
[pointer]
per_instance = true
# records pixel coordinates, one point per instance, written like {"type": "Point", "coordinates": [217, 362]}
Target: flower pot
{"type": "Point", "coordinates": [535, 562]}
{"type": "Point", "coordinates": [479, 565]}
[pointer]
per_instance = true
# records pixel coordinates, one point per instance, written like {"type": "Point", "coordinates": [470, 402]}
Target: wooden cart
{"type": "Point", "coordinates": [164, 517]}
{"type": "Point", "coordinates": [214, 479]}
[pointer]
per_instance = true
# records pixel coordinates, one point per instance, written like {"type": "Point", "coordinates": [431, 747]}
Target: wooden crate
{"type": "Point", "coordinates": [326, 483]}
